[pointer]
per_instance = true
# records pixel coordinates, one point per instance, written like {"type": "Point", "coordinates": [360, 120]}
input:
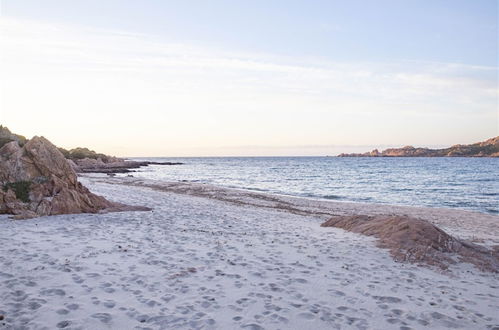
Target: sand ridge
{"type": "Point", "coordinates": [470, 225]}
{"type": "Point", "coordinates": [418, 241]}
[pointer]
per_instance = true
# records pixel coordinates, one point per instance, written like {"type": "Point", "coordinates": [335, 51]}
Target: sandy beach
{"type": "Point", "coordinates": [208, 257]}
{"type": "Point", "coordinates": [258, 165]}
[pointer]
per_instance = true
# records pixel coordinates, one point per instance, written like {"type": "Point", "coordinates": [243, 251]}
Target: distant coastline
{"type": "Point", "coordinates": [488, 148]}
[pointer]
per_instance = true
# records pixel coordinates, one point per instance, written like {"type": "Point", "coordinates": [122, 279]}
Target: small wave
{"type": "Point", "coordinates": [402, 189]}
{"type": "Point", "coordinates": [332, 197]}
{"type": "Point", "coordinates": [484, 180]}
{"type": "Point", "coordinates": [253, 189]}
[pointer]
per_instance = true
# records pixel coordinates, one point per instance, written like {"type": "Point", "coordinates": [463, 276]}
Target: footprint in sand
{"type": "Point", "coordinates": [109, 304]}
{"type": "Point", "coordinates": [77, 279]}
{"type": "Point", "coordinates": [387, 299]}
{"type": "Point", "coordinates": [337, 292]}
{"type": "Point", "coordinates": [252, 326]}
{"type": "Point", "coordinates": [34, 304]}
{"type": "Point", "coordinates": [19, 295]}
{"type": "Point", "coordinates": [306, 316]}
{"type": "Point", "coordinates": [63, 324]}
{"type": "Point", "coordinates": [62, 311]}
{"type": "Point", "coordinates": [52, 292]}
{"type": "Point", "coordinates": [73, 307]}
{"type": "Point", "coordinates": [103, 317]}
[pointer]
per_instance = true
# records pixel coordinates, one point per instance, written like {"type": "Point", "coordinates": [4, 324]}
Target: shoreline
{"type": "Point", "coordinates": [470, 225]}
{"type": "Point", "coordinates": [404, 182]}
{"type": "Point", "coordinates": [334, 200]}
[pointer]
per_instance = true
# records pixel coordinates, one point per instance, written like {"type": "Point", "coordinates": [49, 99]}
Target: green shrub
{"type": "Point", "coordinates": [6, 136]}
{"type": "Point", "coordinates": [65, 152]}
{"type": "Point", "coordinates": [20, 188]}
{"type": "Point", "coordinates": [4, 141]}
{"type": "Point", "coordinates": [80, 153]}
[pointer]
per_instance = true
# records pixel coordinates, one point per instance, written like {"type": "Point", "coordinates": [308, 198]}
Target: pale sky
{"type": "Point", "coordinates": [221, 78]}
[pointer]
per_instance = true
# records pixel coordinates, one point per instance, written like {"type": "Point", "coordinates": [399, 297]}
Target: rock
{"type": "Point", "coordinates": [488, 148]}
{"type": "Point", "coordinates": [73, 165]}
{"type": "Point", "coordinates": [417, 241]}
{"type": "Point", "coordinates": [37, 180]}
{"type": "Point", "coordinates": [6, 136]}
{"type": "Point", "coordinates": [89, 163]}
{"type": "Point", "coordinates": [84, 160]}
{"type": "Point", "coordinates": [112, 165]}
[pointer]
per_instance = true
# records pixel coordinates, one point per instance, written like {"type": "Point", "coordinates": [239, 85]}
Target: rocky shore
{"type": "Point", "coordinates": [84, 160]}
{"type": "Point", "coordinates": [118, 165]}
{"type": "Point", "coordinates": [488, 148]}
{"type": "Point", "coordinates": [36, 180]}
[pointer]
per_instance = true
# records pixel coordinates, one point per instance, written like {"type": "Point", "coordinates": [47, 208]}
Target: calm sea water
{"type": "Point", "coordinates": [465, 183]}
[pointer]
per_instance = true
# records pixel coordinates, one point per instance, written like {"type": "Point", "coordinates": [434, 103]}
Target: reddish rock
{"type": "Point", "coordinates": [488, 148]}
{"type": "Point", "coordinates": [37, 180]}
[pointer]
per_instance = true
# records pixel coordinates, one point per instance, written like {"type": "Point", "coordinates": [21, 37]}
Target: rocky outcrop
{"type": "Point", "coordinates": [90, 165]}
{"type": "Point", "coordinates": [7, 136]}
{"type": "Point", "coordinates": [488, 148]}
{"type": "Point", "coordinates": [85, 160]}
{"type": "Point", "coordinates": [418, 241]}
{"type": "Point", "coordinates": [85, 153]}
{"type": "Point", "coordinates": [36, 180]}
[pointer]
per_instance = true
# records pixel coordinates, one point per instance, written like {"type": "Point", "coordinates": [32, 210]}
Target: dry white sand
{"type": "Point", "coordinates": [215, 258]}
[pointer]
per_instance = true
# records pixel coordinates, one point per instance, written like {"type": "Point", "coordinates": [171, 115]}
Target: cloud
{"type": "Point", "coordinates": [200, 96]}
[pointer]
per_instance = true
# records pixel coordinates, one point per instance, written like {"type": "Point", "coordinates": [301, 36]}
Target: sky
{"type": "Point", "coordinates": [249, 78]}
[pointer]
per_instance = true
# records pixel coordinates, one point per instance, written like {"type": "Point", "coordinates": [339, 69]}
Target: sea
{"type": "Point", "coordinates": [463, 183]}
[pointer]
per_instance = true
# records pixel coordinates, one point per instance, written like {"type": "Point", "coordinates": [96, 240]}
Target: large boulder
{"type": "Point", "coordinates": [36, 180]}
{"type": "Point", "coordinates": [38, 159]}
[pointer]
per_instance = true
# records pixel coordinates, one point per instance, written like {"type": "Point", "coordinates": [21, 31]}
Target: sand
{"type": "Point", "coordinates": [214, 258]}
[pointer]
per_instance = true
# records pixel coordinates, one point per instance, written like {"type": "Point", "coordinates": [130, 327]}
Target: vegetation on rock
{"type": "Point", "coordinates": [6, 136]}
{"type": "Point", "coordinates": [82, 153]}
{"type": "Point", "coordinates": [20, 188]}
